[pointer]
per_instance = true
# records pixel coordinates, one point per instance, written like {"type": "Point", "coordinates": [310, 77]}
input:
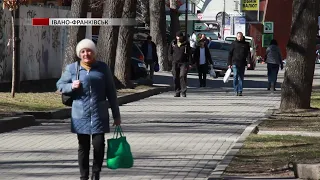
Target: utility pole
{"type": "Point", "coordinates": [186, 20]}
{"type": "Point", "coordinates": [223, 18]}
{"type": "Point", "coordinates": [17, 41]}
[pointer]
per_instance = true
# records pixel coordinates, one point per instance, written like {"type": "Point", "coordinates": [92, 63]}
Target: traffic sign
{"type": "Point", "coordinates": [268, 27]}
{"type": "Point", "coordinates": [266, 39]}
{"type": "Point", "coordinates": [200, 16]}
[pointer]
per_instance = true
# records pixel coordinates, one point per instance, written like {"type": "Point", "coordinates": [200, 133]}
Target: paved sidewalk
{"type": "Point", "coordinates": [171, 138]}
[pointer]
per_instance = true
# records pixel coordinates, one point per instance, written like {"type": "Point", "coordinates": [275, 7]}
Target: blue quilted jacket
{"type": "Point", "coordinates": [89, 114]}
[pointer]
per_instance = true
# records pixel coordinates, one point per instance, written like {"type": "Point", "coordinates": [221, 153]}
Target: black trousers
{"type": "Point", "coordinates": [202, 73]}
{"type": "Point", "coordinates": [180, 71]}
{"type": "Point", "coordinates": [98, 142]}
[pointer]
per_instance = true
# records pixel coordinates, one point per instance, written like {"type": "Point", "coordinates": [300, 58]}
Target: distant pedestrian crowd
{"type": "Point", "coordinates": [195, 52]}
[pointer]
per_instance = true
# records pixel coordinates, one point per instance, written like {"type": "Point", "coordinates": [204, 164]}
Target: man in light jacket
{"type": "Point", "coordinates": [193, 42]}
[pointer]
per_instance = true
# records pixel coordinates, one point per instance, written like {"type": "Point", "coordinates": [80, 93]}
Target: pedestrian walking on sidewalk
{"type": "Point", "coordinates": [202, 59]}
{"type": "Point", "coordinates": [180, 54]}
{"type": "Point", "coordinates": [193, 42]}
{"type": "Point", "coordinates": [273, 59]}
{"type": "Point", "coordinates": [149, 50]}
{"type": "Point", "coordinates": [239, 57]}
{"type": "Point", "coordinates": [89, 115]}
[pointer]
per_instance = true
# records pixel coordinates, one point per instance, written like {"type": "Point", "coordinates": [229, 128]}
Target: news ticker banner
{"type": "Point", "coordinates": [84, 22]}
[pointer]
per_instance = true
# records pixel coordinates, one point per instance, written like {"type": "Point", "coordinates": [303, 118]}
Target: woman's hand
{"type": "Point", "coordinates": [117, 122]}
{"type": "Point", "coordinates": [76, 84]}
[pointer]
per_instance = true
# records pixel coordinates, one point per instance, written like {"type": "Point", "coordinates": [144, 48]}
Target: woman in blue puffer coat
{"type": "Point", "coordinates": [90, 115]}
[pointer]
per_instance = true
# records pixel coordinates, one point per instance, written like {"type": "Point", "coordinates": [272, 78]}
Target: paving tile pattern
{"type": "Point", "coordinates": [171, 138]}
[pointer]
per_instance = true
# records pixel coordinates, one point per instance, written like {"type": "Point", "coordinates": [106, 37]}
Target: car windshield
{"type": "Point", "coordinates": [231, 39]}
{"type": "Point", "coordinates": [219, 46]}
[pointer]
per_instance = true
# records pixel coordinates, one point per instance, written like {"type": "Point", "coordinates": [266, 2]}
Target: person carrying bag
{"type": "Point", "coordinates": [92, 90]}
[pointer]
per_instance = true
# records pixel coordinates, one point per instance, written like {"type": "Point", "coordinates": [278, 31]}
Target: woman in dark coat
{"type": "Point", "coordinates": [202, 59]}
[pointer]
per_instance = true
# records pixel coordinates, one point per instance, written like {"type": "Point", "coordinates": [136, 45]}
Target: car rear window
{"type": "Point", "coordinates": [219, 46]}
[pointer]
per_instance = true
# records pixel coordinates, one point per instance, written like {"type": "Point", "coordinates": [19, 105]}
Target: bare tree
{"type": "Point", "coordinates": [79, 9]}
{"type": "Point", "coordinates": [298, 78]}
{"type": "Point", "coordinates": [158, 31]}
{"type": "Point", "coordinates": [13, 6]}
{"type": "Point", "coordinates": [108, 35]}
{"type": "Point", "coordinates": [124, 48]}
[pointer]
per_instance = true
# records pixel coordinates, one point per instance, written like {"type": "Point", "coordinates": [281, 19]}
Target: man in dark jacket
{"type": "Point", "coordinates": [150, 54]}
{"type": "Point", "coordinates": [180, 55]}
{"type": "Point", "coordinates": [239, 57]}
{"type": "Point", "coordinates": [202, 58]}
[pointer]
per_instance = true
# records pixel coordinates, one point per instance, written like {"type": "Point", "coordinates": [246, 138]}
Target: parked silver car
{"type": "Point", "coordinates": [219, 51]}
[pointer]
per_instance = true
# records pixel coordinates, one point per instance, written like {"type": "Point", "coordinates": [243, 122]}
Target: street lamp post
{"type": "Point", "coordinates": [186, 20]}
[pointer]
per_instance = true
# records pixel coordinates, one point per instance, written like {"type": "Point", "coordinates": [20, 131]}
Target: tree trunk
{"type": "Point", "coordinates": [17, 41]}
{"type": "Point", "coordinates": [124, 48]}
{"type": "Point", "coordinates": [143, 11]}
{"type": "Point", "coordinates": [13, 81]}
{"type": "Point", "coordinates": [108, 35]}
{"type": "Point", "coordinates": [298, 77]}
{"type": "Point", "coordinates": [158, 31]}
{"type": "Point", "coordinates": [79, 9]}
{"type": "Point", "coordinates": [174, 16]}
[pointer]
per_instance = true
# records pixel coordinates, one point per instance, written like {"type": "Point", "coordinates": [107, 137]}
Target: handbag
{"type": "Point", "coordinates": [119, 152]}
{"type": "Point", "coordinates": [156, 67]}
{"type": "Point", "coordinates": [227, 75]}
{"type": "Point", "coordinates": [67, 98]}
{"type": "Point", "coordinates": [212, 72]}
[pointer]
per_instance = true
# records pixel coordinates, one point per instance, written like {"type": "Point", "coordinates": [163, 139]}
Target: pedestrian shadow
{"type": "Point", "coordinates": [193, 82]}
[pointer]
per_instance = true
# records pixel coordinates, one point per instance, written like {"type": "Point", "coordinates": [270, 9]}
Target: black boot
{"type": "Point", "coordinates": [95, 176]}
{"type": "Point", "coordinates": [272, 88]}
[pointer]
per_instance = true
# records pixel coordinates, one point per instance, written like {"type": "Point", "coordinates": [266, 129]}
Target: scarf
{"type": "Point", "coordinates": [86, 65]}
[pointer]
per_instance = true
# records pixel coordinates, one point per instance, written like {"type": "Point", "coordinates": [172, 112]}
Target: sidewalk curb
{"type": "Point", "coordinates": [221, 167]}
{"type": "Point", "coordinates": [66, 112]}
{"type": "Point", "coordinates": [13, 123]}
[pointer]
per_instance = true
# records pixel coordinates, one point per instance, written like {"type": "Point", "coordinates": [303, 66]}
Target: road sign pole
{"type": "Point", "coordinates": [258, 12]}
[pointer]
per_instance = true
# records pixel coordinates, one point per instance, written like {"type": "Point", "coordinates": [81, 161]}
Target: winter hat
{"type": "Point", "coordinates": [85, 43]}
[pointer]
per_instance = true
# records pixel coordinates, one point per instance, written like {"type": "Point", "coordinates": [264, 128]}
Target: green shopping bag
{"type": "Point", "coordinates": [119, 152]}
